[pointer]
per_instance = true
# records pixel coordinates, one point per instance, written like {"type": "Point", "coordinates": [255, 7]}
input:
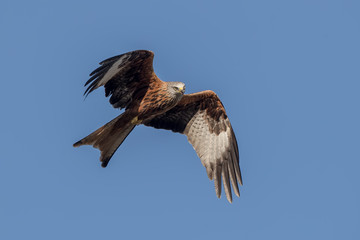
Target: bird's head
{"type": "Point", "coordinates": [176, 88]}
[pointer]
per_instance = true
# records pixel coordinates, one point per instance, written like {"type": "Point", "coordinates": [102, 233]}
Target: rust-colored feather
{"type": "Point", "coordinates": [202, 117]}
{"type": "Point", "coordinates": [131, 83]}
{"type": "Point", "coordinates": [125, 77]}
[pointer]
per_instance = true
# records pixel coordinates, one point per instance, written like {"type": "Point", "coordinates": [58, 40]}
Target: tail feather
{"type": "Point", "coordinates": [109, 137]}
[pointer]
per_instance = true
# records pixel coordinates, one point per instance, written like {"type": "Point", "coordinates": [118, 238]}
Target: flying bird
{"type": "Point", "coordinates": [132, 84]}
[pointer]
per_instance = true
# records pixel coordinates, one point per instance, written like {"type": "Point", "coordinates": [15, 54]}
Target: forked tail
{"type": "Point", "coordinates": [109, 137]}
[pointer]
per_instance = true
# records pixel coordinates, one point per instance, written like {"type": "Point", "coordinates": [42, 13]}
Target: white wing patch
{"type": "Point", "coordinates": [216, 152]}
{"type": "Point", "coordinates": [114, 69]}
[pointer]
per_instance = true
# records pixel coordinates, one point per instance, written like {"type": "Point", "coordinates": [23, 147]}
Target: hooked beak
{"type": "Point", "coordinates": [182, 90]}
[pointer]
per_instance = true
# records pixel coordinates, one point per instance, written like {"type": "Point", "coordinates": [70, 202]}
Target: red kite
{"type": "Point", "coordinates": [132, 84]}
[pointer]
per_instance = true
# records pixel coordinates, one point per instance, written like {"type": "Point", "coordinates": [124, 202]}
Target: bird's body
{"type": "Point", "coordinates": [160, 98]}
{"type": "Point", "coordinates": [130, 80]}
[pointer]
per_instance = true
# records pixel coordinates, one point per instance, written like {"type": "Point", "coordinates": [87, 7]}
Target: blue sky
{"type": "Point", "coordinates": [286, 71]}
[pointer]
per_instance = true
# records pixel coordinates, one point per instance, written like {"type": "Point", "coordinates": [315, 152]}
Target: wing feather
{"type": "Point", "coordinates": [202, 118]}
{"type": "Point", "coordinates": [235, 155]}
{"type": "Point", "coordinates": [232, 175]}
{"type": "Point", "coordinates": [217, 180]}
{"type": "Point", "coordinates": [123, 77]}
{"type": "Point", "coordinates": [225, 177]}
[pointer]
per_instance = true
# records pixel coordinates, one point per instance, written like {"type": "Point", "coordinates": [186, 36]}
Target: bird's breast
{"type": "Point", "coordinates": [155, 104]}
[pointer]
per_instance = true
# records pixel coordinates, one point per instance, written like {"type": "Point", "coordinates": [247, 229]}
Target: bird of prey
{"type": "Point", "coordinates": [132, 84]}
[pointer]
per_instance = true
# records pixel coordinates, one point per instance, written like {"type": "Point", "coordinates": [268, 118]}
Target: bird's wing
{"type": "Point", "coordinates": [124, 77]}
{"type": "Point", "coordinates": [202, 118]}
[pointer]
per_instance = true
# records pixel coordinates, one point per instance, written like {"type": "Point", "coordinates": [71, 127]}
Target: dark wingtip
{"type": "Point", "coordinates": [77, 144]}
{"type": "Point", "coordinates": [104, 162]}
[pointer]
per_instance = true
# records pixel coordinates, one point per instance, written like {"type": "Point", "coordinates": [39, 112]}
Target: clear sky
{"type": "Point", "coordinates": [286, 71]}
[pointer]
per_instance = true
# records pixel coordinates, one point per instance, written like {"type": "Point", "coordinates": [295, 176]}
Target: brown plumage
{"type": "Point", "coordinates": [130, 80]}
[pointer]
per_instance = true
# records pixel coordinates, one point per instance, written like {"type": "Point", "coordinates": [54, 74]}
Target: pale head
{"type": "Point", "coordinates": [176, 88]}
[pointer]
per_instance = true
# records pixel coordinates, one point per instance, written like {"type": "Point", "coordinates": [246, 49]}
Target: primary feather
{"type": "Point", "coordinates": [131, 83]}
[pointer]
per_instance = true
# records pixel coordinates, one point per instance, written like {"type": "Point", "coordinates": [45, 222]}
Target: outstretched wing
{"type": "Point", "coordinates": [202, 118]}
{"type": "Point", "coordinates": [124, 77]}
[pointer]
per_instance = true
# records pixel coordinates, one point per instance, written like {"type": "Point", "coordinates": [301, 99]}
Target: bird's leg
{"type": "Point", "coordinates": [136, 121]}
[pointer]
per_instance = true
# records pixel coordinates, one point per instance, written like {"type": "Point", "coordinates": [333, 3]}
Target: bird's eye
{"type": "Point", "coordinates": [176, 88]}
